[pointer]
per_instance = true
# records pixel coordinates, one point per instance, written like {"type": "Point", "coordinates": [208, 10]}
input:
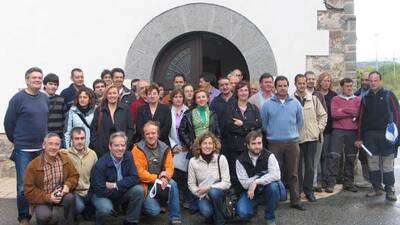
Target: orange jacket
{"type": "Point", "coordinates": [141, 163]}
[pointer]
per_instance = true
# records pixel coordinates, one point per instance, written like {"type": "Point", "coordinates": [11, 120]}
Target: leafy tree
{"type": "Point", "coordinates": [390, 75]}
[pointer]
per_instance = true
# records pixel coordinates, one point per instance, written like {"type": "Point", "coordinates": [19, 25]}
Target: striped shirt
{"type": "Point", "coordinates": [56, 116]}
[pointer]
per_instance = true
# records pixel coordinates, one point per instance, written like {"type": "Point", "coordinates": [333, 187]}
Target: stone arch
{"type": "Point", "coordinates": [199, 17]}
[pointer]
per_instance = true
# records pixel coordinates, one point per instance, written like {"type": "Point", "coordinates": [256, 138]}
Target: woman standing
{"type": "Point", "coordinates": [154, 110]}
{"type": "Point", "coordinates": [180, 153]}
{"type": "Point", "coordinates": [208, 177]}
{"type": "Point", "coordinates": [324, 86]}
{"type": "Point", "coordinates": [80, 114]}
{"type": "Point", "coordinates": [198, 120]}
{"type": "Point", "coordinates": [242, 117]}
{"type": "Point", "coordinates": [110, 117]}
{"type": "Point", "coordinates": [188, 91]}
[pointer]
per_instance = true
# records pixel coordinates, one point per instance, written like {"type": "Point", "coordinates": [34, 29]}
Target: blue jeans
{"type": "Point", "coordinates": [152, 206]}
{"type": "Point", "coordinates": [80, 203]}
{"type": "Point", "coordinates": [181, 178]}
{"type": "Point", "coordinates": [21, 160]}
{"type": "Point", "coordinates": [211, 208]}
{"type": "Point", "coordinates": [134, 197]}
{"type": "Point", "coordinates": [269, 196]}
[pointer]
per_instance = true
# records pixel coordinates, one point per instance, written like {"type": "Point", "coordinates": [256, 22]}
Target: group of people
{"type": "Point", "coordinates": [115, 150]}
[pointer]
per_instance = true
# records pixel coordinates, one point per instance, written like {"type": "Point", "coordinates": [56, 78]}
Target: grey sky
{"type": "Point", "coordinates": [377, 23]}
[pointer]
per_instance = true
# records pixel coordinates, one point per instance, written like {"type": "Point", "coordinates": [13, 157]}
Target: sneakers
{"type": "Point", "coordinates": [374, 192]}
{"type": "Point", "coordinates": [350, 188]}
{"type": "Point", "coordinates": [271, 222]}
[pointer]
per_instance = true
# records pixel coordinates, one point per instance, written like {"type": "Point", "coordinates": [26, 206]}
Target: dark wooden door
{"type": "Point", "coordinates": [182, 56]}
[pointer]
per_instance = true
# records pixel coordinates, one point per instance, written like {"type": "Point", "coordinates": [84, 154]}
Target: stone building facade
{"type": "Point", "coordinates": [340, 21]}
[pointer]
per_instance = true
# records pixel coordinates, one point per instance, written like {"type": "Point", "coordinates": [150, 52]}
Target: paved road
{"type": "Point", "coordinates": [343, 208]}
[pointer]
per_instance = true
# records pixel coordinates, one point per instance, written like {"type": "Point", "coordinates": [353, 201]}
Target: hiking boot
{"type": "Point", "coordinates": [374, 192]}
{"type": "Point", "coordinates": [351, 188]}
{"type": "Point", "coordinates": [390, 194]}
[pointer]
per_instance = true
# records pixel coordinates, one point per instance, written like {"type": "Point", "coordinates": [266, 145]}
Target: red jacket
{"type": "Point", "coordinates": [134, 108]}
{"type": "Point", "coordinates": [345, 112]}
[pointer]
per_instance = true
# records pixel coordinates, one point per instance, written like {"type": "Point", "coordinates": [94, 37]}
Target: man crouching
{"type": "Point", "coordinates": [49, 180]}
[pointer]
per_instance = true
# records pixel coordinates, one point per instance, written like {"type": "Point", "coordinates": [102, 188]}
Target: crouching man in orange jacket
{"type": "Point", "coordinates": [154, 162]}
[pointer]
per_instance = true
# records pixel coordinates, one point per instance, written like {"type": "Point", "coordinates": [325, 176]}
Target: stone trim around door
{"type": "Point", "coordinates": [220, 20]}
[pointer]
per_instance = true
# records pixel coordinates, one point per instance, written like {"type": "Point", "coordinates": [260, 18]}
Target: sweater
{"type": "Point", "coordinates": [25, 122]}
{"type": "Point", "coordinates": [282, 121]}
{"type": "Point", "coordinates": [83, 164]}
{"type": "Point", "coordinates": [345, 111]}
{"type": "Point", "coordinates": [199, 170]}
{"type": "Point", "coordinates": [57, 111]}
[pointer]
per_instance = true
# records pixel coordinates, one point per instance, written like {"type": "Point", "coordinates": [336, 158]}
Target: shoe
{"type": "Point", "coordinates": [374, 192]}
{"type": "Point", "coordinates": [311, 197]}
{"type": "Point", "coordinates": [363, 184]}
{"type": "Point", "coordinates": [24, 222]}
{"type": "Point", "coordinates": [298, 207]}
{"type": "Point", "coordinates": [318, 189]}
{"type": "Point", "coordinates": [329, 189]}
{"type": "Point", "coordinates": [271, 222]}
{"type": "Point", "coordinates": [351, 188]}
{"type": "Point", "coordinates": [193, 211]}
{"type": "Point", "coordinates": [128, 223]}
{"type": "Point", "coordinates": [174, 222]}
{"type": "Point", "coordinates": [391, 195]}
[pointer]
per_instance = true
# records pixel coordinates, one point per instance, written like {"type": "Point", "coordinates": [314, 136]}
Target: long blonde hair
{"type": "Point", "coordinates": [321, 77]}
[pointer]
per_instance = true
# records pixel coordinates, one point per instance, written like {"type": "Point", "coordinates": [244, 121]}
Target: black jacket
{"type": "Point", "coordinates": [127, 96]}
{"type": "Point", "coordinates": [219, 106]}
{"type": "Point", "coordinates": [186, 129]}
{"type": "Point", "coordinates": [102, 127]}
{"type": "Point", "coordinates": [162, 115]}
{"type": "Point", "coordinates": [236, 136]}
{"type": "Point", "coordinates": [374, 112]}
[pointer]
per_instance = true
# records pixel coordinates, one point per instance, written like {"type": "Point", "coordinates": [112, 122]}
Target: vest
{"type": "Point", "coordinates": [261, 165]}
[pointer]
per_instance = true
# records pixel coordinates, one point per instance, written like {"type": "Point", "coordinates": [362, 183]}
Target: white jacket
{"type": "Point", "coordinates": [199, 170]}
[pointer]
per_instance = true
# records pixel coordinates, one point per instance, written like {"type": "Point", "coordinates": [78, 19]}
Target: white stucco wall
{"type": "Point", "coordinates": [93, 35]}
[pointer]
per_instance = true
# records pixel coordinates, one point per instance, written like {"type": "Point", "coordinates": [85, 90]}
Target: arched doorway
{"type": "Point", "coordinates": [156, 35]}
{"type": "Point", "coordinates": [195, 53]}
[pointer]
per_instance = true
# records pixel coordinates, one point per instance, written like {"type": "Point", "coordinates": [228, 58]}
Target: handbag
{"type": "Point", "coordinates": [230, 199]}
